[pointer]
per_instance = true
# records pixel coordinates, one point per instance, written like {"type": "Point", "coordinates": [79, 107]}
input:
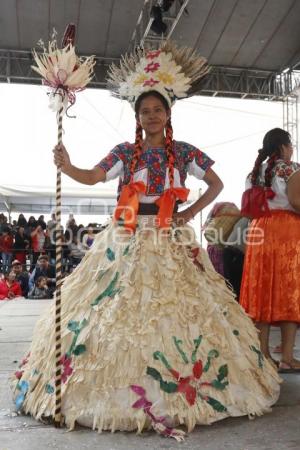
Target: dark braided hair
{"type": "Point", "coordinates": [272, 143]}
{"type": "Point", "coordinates": [137, 148]}
{"type": "Point", "coordinates": [170, 151]}
{"type": "Point", "coordinates": [139, 135]}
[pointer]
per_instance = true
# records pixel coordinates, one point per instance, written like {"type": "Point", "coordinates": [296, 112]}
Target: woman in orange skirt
{"type": "Point", "coordinates": [270, 291]}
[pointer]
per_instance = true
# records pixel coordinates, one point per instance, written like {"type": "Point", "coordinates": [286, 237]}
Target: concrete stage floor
{"type": "Point", "coordinates": [279, 430]}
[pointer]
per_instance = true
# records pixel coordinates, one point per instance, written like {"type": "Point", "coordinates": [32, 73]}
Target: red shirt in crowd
{"type": "Point", "coordinates": [6, 243]}
{"type": "Point", "coordinates": [5, 289]}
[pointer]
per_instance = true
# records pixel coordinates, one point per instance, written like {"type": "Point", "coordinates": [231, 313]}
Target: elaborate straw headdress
{"type": "Point", "coordinates": [169, 70]}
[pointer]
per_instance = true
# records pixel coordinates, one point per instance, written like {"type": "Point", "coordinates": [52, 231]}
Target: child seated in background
{"type": "Point", "coordinates": [40, 290]}
{"type": "Point", "coordinates": [9, 287]}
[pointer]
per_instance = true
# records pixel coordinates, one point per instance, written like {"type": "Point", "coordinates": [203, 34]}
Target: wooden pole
{"type": "Point", "coordinates": [58, 253]}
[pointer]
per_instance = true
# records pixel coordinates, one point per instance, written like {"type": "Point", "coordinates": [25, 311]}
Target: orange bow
{"type": "Point", "coordinates": [129, 203]}
{"type": "Point", "coordinates": [166, 205]}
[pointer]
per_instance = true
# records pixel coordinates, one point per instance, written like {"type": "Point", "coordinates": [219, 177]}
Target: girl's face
{"type": "Point", "coordinates": [152, 115]}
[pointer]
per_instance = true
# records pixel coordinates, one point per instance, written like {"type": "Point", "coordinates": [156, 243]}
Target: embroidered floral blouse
{"type": "Point", "coordinates": [152, 167]}
{"type": "Point", "coordinates": [281, 173]}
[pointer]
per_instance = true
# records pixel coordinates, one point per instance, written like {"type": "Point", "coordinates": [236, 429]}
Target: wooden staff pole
{"type": "Point", "coordinates": [58, 253]}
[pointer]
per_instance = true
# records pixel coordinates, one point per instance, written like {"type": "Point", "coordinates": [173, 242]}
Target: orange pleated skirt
{"type": "Point", "coordinates": [270, 290]}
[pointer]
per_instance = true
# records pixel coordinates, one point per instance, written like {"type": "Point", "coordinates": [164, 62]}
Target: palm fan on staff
{"type": "Point", "coordinates": [65, 74]}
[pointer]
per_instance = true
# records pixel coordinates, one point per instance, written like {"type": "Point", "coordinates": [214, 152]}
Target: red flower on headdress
{"type": "Point", "coordinates": [153, 54]}
{"type": "Point", "coordinates": [150, 82]}
{"type": "Point", "coordinates": [152, 67]}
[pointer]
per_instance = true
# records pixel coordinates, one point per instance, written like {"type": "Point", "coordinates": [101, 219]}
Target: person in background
{"type": "Point", "coordinates": [71, 222]}
{"type": "Point", "coordinates": [3, 222]}
{"type": "Point", "coordinates": [22, 277]}
{"type": "Point", "coordinates": [6, 248]}
{"type": "Point", "coordinates": [71, 229]}
{"type": "Point", "coordinates": [31, 278]}
{"type": "Point", "coordinates": [40, 290]}
{"type": "Point", "coordinates": [21, 245]}
{"type": "Point", "coordinates": [22, 222]}
{"type": "Point", "coordinates": [88, 238]}
{"type": "Point", "coordinates": [37, 242]}
{"type": "Point", "coordinates": [14, 227]}
{"type": "Point", "coordinates": [76, 252]}
{"type": "Point", "coordinates": [41, 222]}
{"type": "Point", "coordinates": [233, 254]}
{"type": "Point", "coordinates": [218, 225]}
{"type": "Point", "coordinates": [51, 224]}
{"type": "Point", "coordinates": [45, 269]}
{"type": "Point", "coordinates": [31, 224]}
{"type": "Point", "coordinates": [50, 249]}
{"type": "Point", "coordinates": [270, 291]}
{"type": "Point", "coordinates": [9, 287]}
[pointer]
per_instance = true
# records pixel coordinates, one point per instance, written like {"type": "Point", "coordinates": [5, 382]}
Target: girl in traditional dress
{"type": "Point", "coordinates": [270, 290]}
{"type": "Point", "coordinates": [151, 335]}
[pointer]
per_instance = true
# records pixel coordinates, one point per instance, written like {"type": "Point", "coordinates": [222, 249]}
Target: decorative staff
{"type": "Point", "coordinates": [65, 74]}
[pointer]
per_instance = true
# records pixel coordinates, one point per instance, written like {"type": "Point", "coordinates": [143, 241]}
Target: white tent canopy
{"type": "Point", "coordinates": [41, 199]}
{"type": "Point", "coordinates": [80, 201]}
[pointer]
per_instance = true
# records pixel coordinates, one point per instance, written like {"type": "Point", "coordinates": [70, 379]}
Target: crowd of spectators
{"type": "Point", "coordinates": [27, 254]}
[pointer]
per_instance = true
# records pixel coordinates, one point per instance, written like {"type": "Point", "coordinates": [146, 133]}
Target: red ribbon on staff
{"type": "Point", "coordinates": [166, 205]}
{"type": "Point", "coordinates": [128, 204]}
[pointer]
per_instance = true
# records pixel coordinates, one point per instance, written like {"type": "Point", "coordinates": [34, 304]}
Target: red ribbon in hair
{"type": "Point", "coordinates": [166, 205]}
{"type": "Point", "coordinates": [129, 204]}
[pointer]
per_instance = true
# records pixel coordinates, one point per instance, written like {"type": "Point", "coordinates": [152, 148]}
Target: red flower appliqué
{"type": "Point", "coordinates": [19, 374]}
{"type": "Point", "coordinates": [24, 360]}
{"type": "Point", "coordinates": [190, 386]}
{"type": "Point", "coordinates": [184, 385]}
{"type": "Point", "coordinates": [67, 369]}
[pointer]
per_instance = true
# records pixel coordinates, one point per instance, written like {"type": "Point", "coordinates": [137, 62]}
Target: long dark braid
{"type": "Point", "coordinates": [268, 173]}
{"type": "Point", "coordinates": [272, 143]}
{"type": "Point", "coordinates": [170, 151]}
{"type": "Point", "coordinates": [255, 171]}
{"type": "Point", "coordinates": [138, 146]}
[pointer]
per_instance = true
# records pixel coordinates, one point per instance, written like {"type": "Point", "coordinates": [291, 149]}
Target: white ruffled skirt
{"type": "Point", "coordinates": [151, 337]}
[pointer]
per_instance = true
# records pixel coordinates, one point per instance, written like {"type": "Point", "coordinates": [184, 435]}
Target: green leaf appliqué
{"type": "Point", "coordinates": [110, 254]}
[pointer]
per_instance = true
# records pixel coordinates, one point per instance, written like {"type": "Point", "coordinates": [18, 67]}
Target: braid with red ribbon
{"type": "Point", "coordinates": [170, 151]}
{"type": "Point", "coordinates": [268, 173]}
{"type": "Point", "coordinates": [262, 155]}
{"type": "Point", "coordinates": [137, 149]}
